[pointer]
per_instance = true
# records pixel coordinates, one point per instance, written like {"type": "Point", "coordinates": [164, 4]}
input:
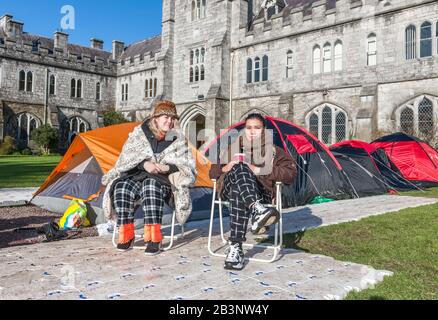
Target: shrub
{"type": "Point", "coordinates": [8, 146]}
{"type": "Point", "coordinates": [26, 152]}
{"type": "Point", "coordinates": [46, 138]}
{"type": "Point", "coordinates": [112, 117]}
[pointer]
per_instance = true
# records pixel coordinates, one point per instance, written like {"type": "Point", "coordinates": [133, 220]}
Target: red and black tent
{"type": "Point", "coordinates": [415, 159]}
{"type": "Point", "coordinates": [319, 173]}
{"type": "Point", "coordinates": [368, 168]}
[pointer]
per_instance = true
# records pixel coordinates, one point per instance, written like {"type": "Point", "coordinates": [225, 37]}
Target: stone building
{"type": "Point", "coordinates": [341, 68]}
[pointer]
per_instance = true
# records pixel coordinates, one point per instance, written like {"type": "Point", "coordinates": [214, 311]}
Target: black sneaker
{"type": "Point", "coordinates": [125, 246]}
{"type": "Point", "coordinates": [152, 248]}
{"type": "Point", "coordinates": [263, 217]}
{"type": "Point", "coordinates": [235, 257]}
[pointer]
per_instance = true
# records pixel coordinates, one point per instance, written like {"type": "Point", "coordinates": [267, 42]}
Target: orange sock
{"type": "Point", "coordinates": [147, 233]}
{"type": "Point", "coordinates": [155, 234]}
{"type": "Point", "coordinates": [126, 233]}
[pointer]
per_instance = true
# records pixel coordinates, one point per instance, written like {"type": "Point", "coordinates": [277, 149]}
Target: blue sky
{"type": "Point", "coordinates": [127, 20]}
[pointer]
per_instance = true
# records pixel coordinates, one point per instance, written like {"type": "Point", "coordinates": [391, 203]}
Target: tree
{"type": "Point", "coordinates": [112, 117]}
{"type": "Point", "coordinates": [8, 146]}
{"type": "Point", "coordinates": [46, 137]}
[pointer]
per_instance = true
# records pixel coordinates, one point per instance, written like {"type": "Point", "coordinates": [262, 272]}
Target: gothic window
{"type": "Point", "coordinates": [328, 123]}
{"type": "Point", "coordinates": [327, 58]}
{"type": "Point", "coordinates": [74, 126]}
{"type": "Point", "coordinates": [125, 92]}
{"type": "Point", "coordinates": [316, 60]}
{"type": "Point", "coordinates": [146, 88]}
{"type": "Point", "coordinates": [29, 81]}
{"type": "Point", "coordinates": [265, 71]}
{"type": "Point", "coordinates": [151, 88]}
{"type": "Point", "coordinates": [52, 84]}
{"type": "Point", "coordinates": [425, 117]}
{"type": "Point", "coordinates": [257, 69]}
{"type": "Point", "coordinates": [79, 89]}
{"type": "Point", "coordinates": [22, 81]}
{"type": "Point", "coordinates": [73, 88]}
{"type": "Point", "coordinates": [417, 118]}
{"type": "Point", "coordinates": [198, 9]}
{"type": "Point", "coordinates": [289, 64]}
{"type": "Point", "coordinates": [314, 125]}
{"type": "Point", "coordinates": [407, 121]}
{"type": "Point", "coordinates": [411, 42]}
{"type": "Point", "coordinates": [372, 50]}
{"type": "Point", "coordinates": [426, 40]}
{"type": "Point", "coordinates": [155, 87]}
{"type": "Point", "coordinates": [249, 70]}
{"type": "Point", "coordinates": [338, 56]}
{"type": "Point", "coordinates": [193, 10]}
{"type": "Point", "coordinates": [98, 92]}
{"type": "Point", "coordinates": [197, 67]}
{"type": "Point", "coordinates": [27, 123]}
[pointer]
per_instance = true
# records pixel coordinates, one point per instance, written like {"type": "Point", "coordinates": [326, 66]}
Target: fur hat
{"type": "Point", "coordinates": [165, 107]}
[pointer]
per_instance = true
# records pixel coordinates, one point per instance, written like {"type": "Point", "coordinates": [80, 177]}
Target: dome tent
{"type": "Point", "coordinates": [415, 159]}
{"type": "Point", "coordinates": [319, 174]}
{"type": "Point", "coordinates": [93, 154]}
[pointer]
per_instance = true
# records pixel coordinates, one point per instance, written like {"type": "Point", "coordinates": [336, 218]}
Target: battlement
{"type": "Point", "coordinates": [300, 16]}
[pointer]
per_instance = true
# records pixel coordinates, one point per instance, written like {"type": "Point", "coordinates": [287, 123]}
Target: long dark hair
{"type": "Point", "coordinates": [256, 116]}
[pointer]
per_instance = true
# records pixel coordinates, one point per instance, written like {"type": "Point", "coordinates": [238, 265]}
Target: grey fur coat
{"type": "Point", "coordinates": [137, 149]}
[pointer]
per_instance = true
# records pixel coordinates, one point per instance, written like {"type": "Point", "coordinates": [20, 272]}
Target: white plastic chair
{"type": "Point", "coordinates": [278, 239]}
{"type": "Point", "coordinates": [172, 236]}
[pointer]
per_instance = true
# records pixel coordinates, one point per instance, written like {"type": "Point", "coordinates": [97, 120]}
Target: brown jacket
{"type": "Point", "coordinates": [284, 170]}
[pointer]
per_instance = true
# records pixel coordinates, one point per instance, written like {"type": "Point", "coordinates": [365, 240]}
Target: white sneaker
{"type": "Point", "coordinates": [263, 217]}
{"type": "Point", "coordinates": [235, 257]}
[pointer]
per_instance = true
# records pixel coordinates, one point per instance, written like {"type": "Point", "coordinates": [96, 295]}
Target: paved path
{"type": "Point", "coordinates": [91, 269]}
{"type": "Point", "coordinates": [16, 196]}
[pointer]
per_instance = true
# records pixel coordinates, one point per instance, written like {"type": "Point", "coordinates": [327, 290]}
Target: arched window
{"type": "Point", "coordinates": [155, 87]}
{"type": "Point", "coordinates": [193, 10]}
{"type": "Point", "coordinates": [198, 9]}
{"type": "Point", "coordinates": [196, 73]}
{"type": "Point", "coordinates": [327, 58]}
{"type": "Point", "coordinates": [29, 82]}
{"type": "Point", "coordinates": [289, 64]}
{"type": "Point", "coordinates": [249, 70]}
{"type": "Point", "coordinates": [411, 42]}
{"type": "Point", "coordinates": [257, 69]}
{"type": "Point", "coordinates": [192, 55]}
{"type": "Point", "coordinates": [328, 123]}
{"type": "Point", "coordinates": [79, 89]}
{"type": "Point", "coordinates": [417, 117]}
{"type": "Point", "coordinates": [316, 60]}
{"type": "Point", "coordinates": [341, 127]}
{"type": "Point", "coordinates": [265, 73]}
{"type": "Point", "coordinates": [314, 125]}
{"type": "Point", "coordinates": [407, 121]}
{"type": "Point", "coordinates": [425, 117]}
{"type": "Point", "coordinates": [22, 81]}
{"type": "Point", "coordinates": [202, 59]}
{"type": "Point", "coordinates": [98, 93]}
{"type": "Point", "coordinates": [202, 77]}
{"type": "Point", "coordinates": [73, 88]}
{"type": "Point", "coordinates": [191, 75]}
{"type": "Point", "coordinates": [426, 40]}
{"type": "Point", "coordinates": [338, 56]}
{"type": "Point", "coordinates": [372, 50]}
{"type": "Point", "coordinates": [27, 123]}
{"type": "Point", "coordinates": [197, 56]}
{"type": "Point", "coordinates": [52, 84]}
{"type": "Point", "coordinates": [146, 88]}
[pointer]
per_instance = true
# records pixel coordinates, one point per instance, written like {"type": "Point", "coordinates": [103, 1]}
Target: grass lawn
{"type": "Point", "coordinates": [25, 171]}
{"type": "Point", "coordinates": [404, 242]}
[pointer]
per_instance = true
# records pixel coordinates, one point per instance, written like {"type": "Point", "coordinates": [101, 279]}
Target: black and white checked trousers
{"type": "Point", "coordinates": [152, 195]}
{"type": "Point", "coordinates": [241, 189]}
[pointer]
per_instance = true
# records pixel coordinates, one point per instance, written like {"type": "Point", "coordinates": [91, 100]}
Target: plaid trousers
{"type": "Point", "coordinates": [241, 189]}
{"type": "Point", "coordinates": [150, 192]}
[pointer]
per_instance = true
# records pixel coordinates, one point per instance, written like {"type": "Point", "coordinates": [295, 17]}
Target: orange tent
{"type": "Point", "coordinates": [91, 155]}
